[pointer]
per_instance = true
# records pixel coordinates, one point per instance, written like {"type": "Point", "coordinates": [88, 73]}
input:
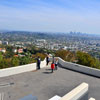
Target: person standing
{"type": "Point", "coordinates": [47, 60]}
{"type": "Point", "coordinates": [56, 64]}
{"type": "Point", "coordinates": [53, 59]}
{"type": "Point", "coordinates": [38, 62]}
{"type": "Point", "coordinates": [52, 67]}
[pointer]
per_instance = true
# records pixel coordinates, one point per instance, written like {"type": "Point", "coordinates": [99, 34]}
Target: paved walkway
{"type": "Point", "coordinates": [45, 85]}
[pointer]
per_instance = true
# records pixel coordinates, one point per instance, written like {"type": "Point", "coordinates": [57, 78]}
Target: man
{"type": "Point", "coordinates": [47, 60]}
{"type": "Point", "coordinates": [38, 62]}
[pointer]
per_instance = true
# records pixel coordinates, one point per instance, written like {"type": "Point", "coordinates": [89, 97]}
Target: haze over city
{"type": "Point", "coordinates": [51, 15]}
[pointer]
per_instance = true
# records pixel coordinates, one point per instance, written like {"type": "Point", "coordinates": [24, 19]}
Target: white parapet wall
{"type": "Point", "coordinates": [20, 69]}
{"type": "Point", "coordinates": [79, 68]}
{"type": "Point", "coordinates": [1, 96]}
{"type": "Point", "coordinates": [91, 99]}
{"type": "Point", "coordinates": [77, 93]}
{"type": "Point", "coordinates": [56, 97]}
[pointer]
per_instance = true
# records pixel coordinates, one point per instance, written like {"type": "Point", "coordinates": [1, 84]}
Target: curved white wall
{"type": "Point", "coordinates": [20, 69]}
{"type": "Point", "coordinates": [79, 68]}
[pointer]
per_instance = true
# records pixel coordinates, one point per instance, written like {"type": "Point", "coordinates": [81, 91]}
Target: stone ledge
{"type": "Point", "coordinates": [91, 99]}
{"type": "Point", "coordinates": [20, 69]}
{"type": "Point", "coordinates": [79, 68]}
{"type": "Point", "coordinates": [76, 93]}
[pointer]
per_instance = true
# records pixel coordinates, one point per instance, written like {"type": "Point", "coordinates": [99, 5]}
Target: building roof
{"type": "Point", "coordinates": [45, 85]}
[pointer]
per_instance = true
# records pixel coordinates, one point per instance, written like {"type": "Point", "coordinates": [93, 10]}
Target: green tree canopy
{"type": "Point", "coordinates": [1, 56]}
{"type": "Point", "coordinates": [85, 59]}
{"type": "Point", "coordinates": [41, 55]}
{"type": "Point", "coordinates": [14, 61]}
{"type": "Point", "coordinates": [5, 63]}
{"type": "Point", "coordinates": [65, 55]}
{"type": "Point", "coordinates": [24, 60]}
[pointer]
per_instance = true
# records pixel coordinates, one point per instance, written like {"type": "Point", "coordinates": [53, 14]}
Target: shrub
{"type": "Point", "coordinates": [14, 61]}
{"type": "Point", "coordinates": [85, 59]}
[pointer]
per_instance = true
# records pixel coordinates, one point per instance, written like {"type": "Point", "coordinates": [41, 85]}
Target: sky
{"type": "Point", "coordinates": [51, 15]}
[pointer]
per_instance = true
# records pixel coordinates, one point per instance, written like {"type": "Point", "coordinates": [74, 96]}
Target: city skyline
{"type": "Point", "coordinates": [51, 16]}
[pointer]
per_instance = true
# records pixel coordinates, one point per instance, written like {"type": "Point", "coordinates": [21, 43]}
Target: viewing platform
{"type": "Point", "coordinates": [44, 85]}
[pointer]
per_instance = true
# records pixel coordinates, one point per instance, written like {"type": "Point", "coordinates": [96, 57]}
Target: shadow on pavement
{"type": "Point", "coordinates": [48, 69]}
{"type": "Point", "coordinates": [47, 72]}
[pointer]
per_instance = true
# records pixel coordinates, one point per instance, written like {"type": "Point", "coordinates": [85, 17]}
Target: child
{"type": "Point", "coordinates": [52, 66]}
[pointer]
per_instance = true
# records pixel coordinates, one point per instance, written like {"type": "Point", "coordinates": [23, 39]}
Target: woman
{"type": "Point", "coordinates": [56, 64]}
{"type": "Point", "coordinates": [52, 67]}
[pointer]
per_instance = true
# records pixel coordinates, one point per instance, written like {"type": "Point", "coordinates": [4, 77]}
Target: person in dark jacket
{"type": "Point", "coordinates": [47, 60]}
{"type": "Point", "coordinates": [38, 62]}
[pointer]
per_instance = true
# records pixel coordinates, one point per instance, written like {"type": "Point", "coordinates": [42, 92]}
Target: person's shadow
{"type": "Point", "coordinates": [48, 71]}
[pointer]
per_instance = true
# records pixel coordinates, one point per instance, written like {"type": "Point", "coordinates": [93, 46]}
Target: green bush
{"type": "Point", "coordinates": [41, 55]}
{"type": "Point", "coordinates": [5, 63]}
{"type": "Point", "coordinates": [85, 59]}
{"type": "Point", "coordinates": [24, 60]}
{"type": "Point", "coordinates": [65, 55]}
{"type": "Point", "coordinates": [14, 61]}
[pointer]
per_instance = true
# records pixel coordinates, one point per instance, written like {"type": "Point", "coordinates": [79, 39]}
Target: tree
{"type": "Point", "coordinates": [24, 60]}
{"type": "Point", "coordinates": [62, 54]}
{"type": "Point", "coordinates": [65, 55]}
{"type": "Point", "coordinates": [5, 63]}
{"type": "Point", "coordinates": [85, 59]}
{"type": "Point", "coordinates": [1, 56]}
{"type": "Point", "coordinates": [9, 53]}
{"type": "Point", "coordinates": [97, 62]}
{"type": "Point", "coordinates": [41, 55]}
{"type": "Point", "coordinates": [14, 61]}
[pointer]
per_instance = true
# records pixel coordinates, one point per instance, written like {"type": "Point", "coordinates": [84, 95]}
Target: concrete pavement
{"type": "Point", "coordinates": [45, 84]}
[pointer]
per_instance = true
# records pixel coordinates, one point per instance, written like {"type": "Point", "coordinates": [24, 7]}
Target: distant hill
{"type": "Point", "coordinates": [30, 36]}
{"type": "Point", "coordinates": [4, 30]}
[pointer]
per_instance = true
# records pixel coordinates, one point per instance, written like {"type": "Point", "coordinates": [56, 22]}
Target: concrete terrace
{"type": "Point", "coordinates": [45, 85]}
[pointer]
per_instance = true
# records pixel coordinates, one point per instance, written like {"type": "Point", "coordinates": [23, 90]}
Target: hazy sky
{"type": "Point", "coordinates": [51, 15]}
